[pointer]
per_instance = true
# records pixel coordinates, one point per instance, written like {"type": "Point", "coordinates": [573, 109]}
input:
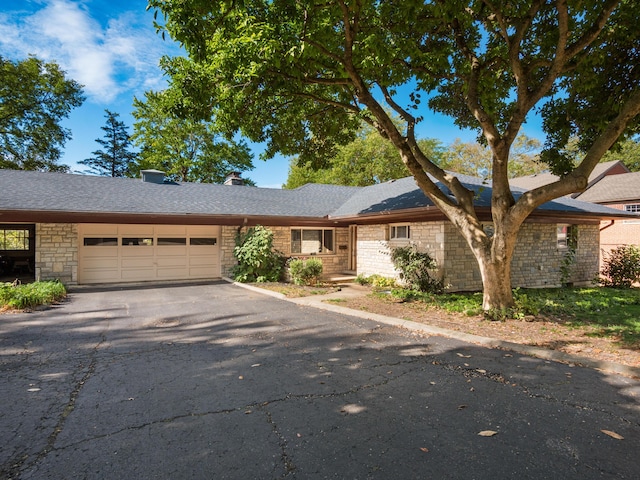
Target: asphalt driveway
{"type": "Point", "coordinates": [213, 381]}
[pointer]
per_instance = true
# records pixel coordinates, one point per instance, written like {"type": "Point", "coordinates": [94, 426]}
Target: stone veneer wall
{"type": "Point", "coordinates": [57, 252]}
{"type": "Point", "coordinates": [536, 260]}
{"type": "Point", "coordinates": [332, 263]}
{"type": "Point", "coordinates": [374, 248]}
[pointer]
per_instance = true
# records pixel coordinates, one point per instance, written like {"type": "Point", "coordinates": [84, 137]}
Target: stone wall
{"type": "Point", "coordinates": [536, 260]}
{"type": "Point", "coordinates": [57, 252]}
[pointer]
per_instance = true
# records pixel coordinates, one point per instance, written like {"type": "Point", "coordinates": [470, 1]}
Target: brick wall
{"type": "Point", "coordinates": [57, 252]}
{"type": "Point", "coordinates": [614, 233]}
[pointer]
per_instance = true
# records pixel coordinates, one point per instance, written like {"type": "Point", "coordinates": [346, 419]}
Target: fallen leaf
{"type": "Point", "coordinates": [615, 435]}
{"type": "Point", "coordinates": [424, 449]}
{"type": "Point", "coordinates": [487, 433]}
{"type": "Point", "coordinates": [298, 435]}
{"type": "Point", "coordinates": [248, 412]}
{"type": "Point", "coordinates": [255, 365]}
{"type": "Point", "coordinates": [461, 407]}
{"type": "Point", "coordinates": [480, 370]}
{"type": "Point", "coordinates": [463, 356]}
{"type": "Point", "coordinates": [33, 390]}
{"type": "Point", "coordinates": [432, 383]}
{"type": "Point", "coordinates": [240, 377]}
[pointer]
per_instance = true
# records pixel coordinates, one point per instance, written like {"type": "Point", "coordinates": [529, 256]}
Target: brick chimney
{"type": "Point", "coordinates": [234, 178]}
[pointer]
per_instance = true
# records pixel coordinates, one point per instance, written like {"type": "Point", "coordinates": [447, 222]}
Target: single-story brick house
{"type": "Point", "coordinates": [85, 229]}
{"type": "Point", "coordinates": [610, 184]}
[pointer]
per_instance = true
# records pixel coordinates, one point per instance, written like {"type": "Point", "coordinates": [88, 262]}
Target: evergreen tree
{"type": "Point", "coordinates": [116, 158]}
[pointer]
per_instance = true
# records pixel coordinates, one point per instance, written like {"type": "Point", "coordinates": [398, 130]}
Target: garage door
{"type": "Point", "coordinates": [135, 253]}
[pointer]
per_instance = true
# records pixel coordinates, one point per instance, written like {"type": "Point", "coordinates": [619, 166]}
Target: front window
{"type": "Point", "coordinates": [14, 239]}
{"type": "Point", "coordinates": [311, 241]}
{"type": "Point", "coordinates": [400, 232]}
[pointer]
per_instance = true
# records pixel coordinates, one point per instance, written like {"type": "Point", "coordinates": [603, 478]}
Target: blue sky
{"type": "Point", "coordinates": [111, 47]}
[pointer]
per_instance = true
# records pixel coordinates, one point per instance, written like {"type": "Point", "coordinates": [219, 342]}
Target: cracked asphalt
{"type": "Point", "coordinates": [212, 381]}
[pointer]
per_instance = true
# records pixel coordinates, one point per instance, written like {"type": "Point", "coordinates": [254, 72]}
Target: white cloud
{"type": "Point", "coordinates": [108, 53]}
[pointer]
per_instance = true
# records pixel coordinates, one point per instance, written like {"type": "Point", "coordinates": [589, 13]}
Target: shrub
{"type": "Point", "coordinates": [305, 272]}
{"type": "Point", "coordinates": [621, 267]}
{"type": "Point", "coordinates": [377, 281]}
{"type": "Point", "coordinates": [414, 269]}
{"type": "Point", "coordinates": [31, 295]}
{"type": "Point", "coordinates": [258, 261]}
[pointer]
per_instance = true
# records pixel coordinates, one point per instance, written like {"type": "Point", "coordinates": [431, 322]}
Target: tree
{"type": "Point", "coordinates": [367, 160]}
{"type": "Point", "coordinates": [34, 97]}
{"type": "Point", "coordinates": [302, 75]}
{"type": "Point", "coordinates": [628, 152]}
{"type": "Point", "coordinates": [187, 150]}
{"type": "Point", "coordinates": [475, 159]}
{"type": "Point", "coordinates": [116, 158]}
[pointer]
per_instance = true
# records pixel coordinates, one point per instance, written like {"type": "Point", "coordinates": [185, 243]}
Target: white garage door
{"type": "Point", "coordinates": [135, 253]}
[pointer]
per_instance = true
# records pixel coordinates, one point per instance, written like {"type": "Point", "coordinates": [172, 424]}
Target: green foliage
{"type": "Point", "coordinates": [414, 269]}
{"type": "Point", "coordinates": [627, 152]}
{"type": "Point", "coordinates": [621, 267]}
{"type": "Point", "coordinates": [31, 295]}
{"type": "Point", "coordinates": [305, 272]}
{"type": "Point", "coordinates": [376, 281]}
{"type": "Point", "coordinates": [187, 150]}
{"type": "Point", "coordinates": [369, 159]}
{"type": "Point", "coordinates": [116, 158]}
{"type": "Point", "coordinates": [257, 259]}
{"type": "Point", "coordinates": [34, 98]}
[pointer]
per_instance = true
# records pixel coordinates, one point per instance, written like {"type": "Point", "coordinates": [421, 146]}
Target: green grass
{"type": "Point", "coordinates": [30, 295]}
{"type": "Point", "coordinates": [609, 311]}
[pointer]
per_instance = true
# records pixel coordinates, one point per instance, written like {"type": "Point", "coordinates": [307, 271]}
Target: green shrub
{"type": "Point", "coordinates": [258, 261]}
{"type": "Point", "coordinates": [305, 272]}
{"type": "Point", "coordinates": [31, 295]}
{"type": "Point", "coordinates": [377, 281]}
{"type": "Point", "coordinates": [621, 267]}
{"type": "Point", "coordinates": [414, 269]}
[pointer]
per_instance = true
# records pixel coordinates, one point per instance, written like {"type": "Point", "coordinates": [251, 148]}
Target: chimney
{"type": "Point", "coordinates": [234, 178]}
{"type": "Point", "coordinates": [152, 176]}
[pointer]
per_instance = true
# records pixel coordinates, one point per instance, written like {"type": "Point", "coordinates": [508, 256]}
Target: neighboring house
{"type": "Point", "coordinates": [613, 185]}
{"type": "Point", "coordinates": [88, 229]}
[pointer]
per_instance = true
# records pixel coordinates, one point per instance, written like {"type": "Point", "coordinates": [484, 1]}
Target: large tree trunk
{"type": "Point", "coordinates": [496, 282]}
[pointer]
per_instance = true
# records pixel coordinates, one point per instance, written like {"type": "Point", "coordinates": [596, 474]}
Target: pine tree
{"type": "Point", "coordinates": [115, 159]}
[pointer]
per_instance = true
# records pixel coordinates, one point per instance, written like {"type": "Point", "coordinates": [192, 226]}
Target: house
{"type": "Point", "coordinates": [86, 229]}
{"type": "Point", "coordinates": [610, 184]}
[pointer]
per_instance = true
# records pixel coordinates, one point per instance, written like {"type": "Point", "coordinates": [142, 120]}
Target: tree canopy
{"type": "Point", "coordinates": [367, 160]}
{"type": "Point", "coordinates": [34, 98]}
{"type": "Point", "coordinates": [187, 150]}
{"type": "Point", "coordinates": [117, 157]}
{"type": "Point", "coordinates": [303, 75]}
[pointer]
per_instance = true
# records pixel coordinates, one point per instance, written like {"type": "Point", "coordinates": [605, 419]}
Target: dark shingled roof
{"type": "Point", "coordinates": [58, 192]}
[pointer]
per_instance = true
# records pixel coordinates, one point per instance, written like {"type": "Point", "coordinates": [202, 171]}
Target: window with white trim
{"type": "Point", "coordinates": [399, 232]}
{"type": "Point", "coordinates": [312, 241]}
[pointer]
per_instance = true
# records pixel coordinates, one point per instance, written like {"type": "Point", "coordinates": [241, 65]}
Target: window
{"type": "Point", "coordinates": [398, 232]}
{"type": "Point", "coordinates": [203, 241]}
{"type": "Point", "coordinates": [308, 241]}
{"type": "Point", "coordinates": [100, 242]}
{"type": "Point", "coordinates": [632, 208]}
{"type": "Point", "coordinates": [567, 236]}
{"type": "Point", "coordinates": [172, 241]}
{"type": "Point", "coordinates": [14, 239]}
{"type": "Point", "coordinates": [147, 242]}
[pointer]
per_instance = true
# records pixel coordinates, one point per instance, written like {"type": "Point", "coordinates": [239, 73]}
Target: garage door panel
{"type": "Point", "coordinates": [147, 252]}
{"type": "Point", "coordinates": [171, 251]}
